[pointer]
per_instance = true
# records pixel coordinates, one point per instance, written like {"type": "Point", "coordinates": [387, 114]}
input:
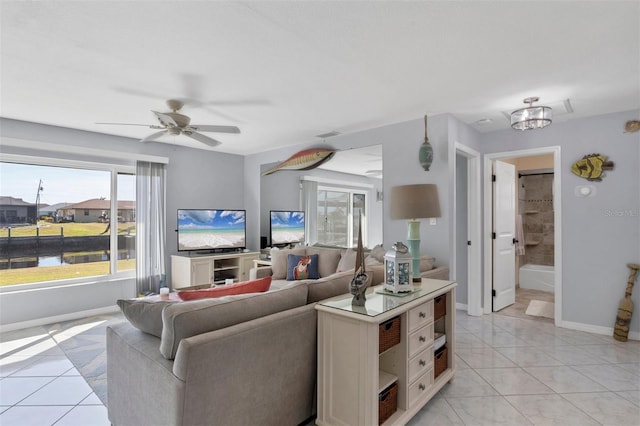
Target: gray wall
{"type": "Point", "coordinates": [600, 234]}
{"type": "Point", "coordinates": [400, 145]}
{"type": "Point", "coordinates": [195, 179]}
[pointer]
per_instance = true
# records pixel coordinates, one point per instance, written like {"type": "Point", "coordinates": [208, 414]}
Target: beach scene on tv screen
{"type": "Point", "coordinates": [287, 227]}
{"type": "Point", "coordinates": [210, 229]}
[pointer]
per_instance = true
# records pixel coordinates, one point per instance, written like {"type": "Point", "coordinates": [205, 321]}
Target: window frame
{"type": "Point", "coordinates": [114, 169]}
{"type": "Point", "coordinates": [351, 231]}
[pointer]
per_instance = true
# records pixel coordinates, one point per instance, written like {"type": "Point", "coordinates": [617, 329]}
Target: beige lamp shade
{"type": "Point", "coordinates": [414, 201]}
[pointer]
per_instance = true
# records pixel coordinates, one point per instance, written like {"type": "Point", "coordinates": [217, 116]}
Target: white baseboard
{"type": "Point", "coordinates": [462, 307]}
{"type": "Point", "coordinates": [58, 318]}
{"type": "Point", "coordinates": [596, 329]}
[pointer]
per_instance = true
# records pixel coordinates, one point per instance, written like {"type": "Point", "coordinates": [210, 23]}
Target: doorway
{"type": "Point", "coordinates": [466, 264]}
{"type": "Point", "coordinates": [555, 211]}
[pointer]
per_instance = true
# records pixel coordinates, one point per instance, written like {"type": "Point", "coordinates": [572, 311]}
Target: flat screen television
{"type": "Point", "coordinates": [287, 227]}
{"type": "Point", "coordinates": [211, 230]}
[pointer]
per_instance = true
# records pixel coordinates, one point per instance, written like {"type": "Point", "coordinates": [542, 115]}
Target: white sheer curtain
{"type": "Point", "coordinates": [309, 203]}
{"type": "Point", "coordinates": [150, 226]}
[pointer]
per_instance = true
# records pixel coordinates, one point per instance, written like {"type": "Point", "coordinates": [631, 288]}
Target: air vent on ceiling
{"type": "Point", "coordinates": [328, 135]}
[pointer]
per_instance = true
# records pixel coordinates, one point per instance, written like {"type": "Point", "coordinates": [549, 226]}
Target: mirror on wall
{"type": "Point", "coordinates": [335, 197]}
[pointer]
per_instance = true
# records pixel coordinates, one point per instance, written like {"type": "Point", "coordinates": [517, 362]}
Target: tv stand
{"type": "Point", "coordinates": [200, 271]}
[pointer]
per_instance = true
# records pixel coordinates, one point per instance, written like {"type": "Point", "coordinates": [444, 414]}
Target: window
{"type": "Point", "coordinates": [339, 211]}
{"type": "Point", "coordinates": [62, 219]}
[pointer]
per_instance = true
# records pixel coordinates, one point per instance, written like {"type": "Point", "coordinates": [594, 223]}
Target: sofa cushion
{"type": "Point", "coordinates": [302, 267]}
{"type": "Point", "coordinates": [426, 263]}
{"type": "Point", "coordinates": [347, 260]}
{"type": "Point", "coordinates": [186, 319]}
{"type": "Point", "coordinates": [328, 260]}
{"type": "Point", "coordinates": [145, 313]}
{"type": "Point", "coordinates": [378, 253]}
{"type": "Point", "coordinates": [253, 286]}
{"type": "Point", "coordinates": [279, 261]}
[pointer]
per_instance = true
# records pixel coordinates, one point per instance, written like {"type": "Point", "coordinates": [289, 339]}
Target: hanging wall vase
{"type": "Point", "coordinates": [426, 150]}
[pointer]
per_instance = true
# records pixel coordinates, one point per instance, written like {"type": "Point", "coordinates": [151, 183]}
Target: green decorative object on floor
{"type": "Point", "coordinates": [426, 150]}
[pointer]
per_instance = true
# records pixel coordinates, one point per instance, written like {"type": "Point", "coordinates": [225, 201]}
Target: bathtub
{"type": "Point", "coordinates": [537, 277]}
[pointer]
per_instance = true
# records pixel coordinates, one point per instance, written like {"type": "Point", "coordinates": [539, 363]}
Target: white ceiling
{"type": "Point", "coordinates": [285, 72]}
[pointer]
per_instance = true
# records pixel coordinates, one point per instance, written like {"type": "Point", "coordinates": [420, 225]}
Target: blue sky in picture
{"type": "Point", "coordinates": [60, 184]}
{"type": "Point", "coordinates": [209, 219]}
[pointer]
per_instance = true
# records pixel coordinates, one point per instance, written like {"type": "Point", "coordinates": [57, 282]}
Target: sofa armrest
{"type": "Point", "coordinates": [438, 273]}
{"type": "Point", "coordinates": [260, 272]}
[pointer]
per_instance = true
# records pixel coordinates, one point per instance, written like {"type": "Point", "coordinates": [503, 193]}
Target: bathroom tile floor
{"type": "Point", "coordinates": [510, 371]}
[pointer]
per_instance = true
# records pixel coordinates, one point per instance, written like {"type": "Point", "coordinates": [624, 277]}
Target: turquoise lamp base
{"type": "Point", "coordinates": [413, 241]}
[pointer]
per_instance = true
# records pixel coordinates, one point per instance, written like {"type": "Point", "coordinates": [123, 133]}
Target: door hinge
{"type": "Point", "coordinates": [468, 243]}
{"type": "Point", "coordinates": [493, 235]}
{"type": "Point", "coordinates": [493, 178]}
{"type": "Point", "coordinates": [493, 293]}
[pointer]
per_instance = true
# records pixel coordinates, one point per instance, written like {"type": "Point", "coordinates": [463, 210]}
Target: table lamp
{"type": "Point", "coordinates": [414, 202]}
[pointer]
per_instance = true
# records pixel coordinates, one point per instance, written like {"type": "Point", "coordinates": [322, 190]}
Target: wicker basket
{"type": "Point", "coordinates": [439, 361]}
{"type": "Point", "coordinates": [387, 402]}
{"type": "Point", "coordinates": [439, 307]}
{"type": "Point", "coordinates": [389, 334]}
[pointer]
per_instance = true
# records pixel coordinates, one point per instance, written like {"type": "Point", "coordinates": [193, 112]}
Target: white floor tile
{"type": "Point", "coordinates": [15, 389]}
{"type": "Point", "coordinates": [487, 410]}
{"type": "Point", "coordinates": [85, 415]}
{"type": "Point", "coordinates": [467, 383]}
{"type": "Point", "coordinates": [606, 407]}
{"type": "Point", "coordinates": [564, 379]}
{"type": "Point", "coordinates": [550, 410]}
{"type": "Point", "coordinates": [611, 377]}
{"type": "Point", "coordinates": [437, 412]}
{"type": "Point", "coordinates": [513, 381]}
{"type": "Point", "coordinates": [52, 366]}
{"type": "Point", "coordinates": [484, 358]}
{"type": "Point", "coordinates": [61, 391]}
{"type": "Point", "coordinates": [529, 356]}
{"type": "Point", "coordinates": [33, 416]}
{"type": "Point", "coordinates": [633, 396]}
{"type": "Point", "coordinates": [13, 363]}
{"type": "Point", "coordinates": [91, 400]}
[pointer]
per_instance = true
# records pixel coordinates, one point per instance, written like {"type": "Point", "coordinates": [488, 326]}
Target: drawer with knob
{"type": "Point", "coordinates": [421, 315]}
{"type": "Point", "coordinates": [420, 364]}
{"type": "Point", "coordinates": [420, 340]}
{"type": "Point", "coordinates": [420, 388]}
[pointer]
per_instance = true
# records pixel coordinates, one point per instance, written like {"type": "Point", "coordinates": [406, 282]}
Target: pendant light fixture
{"type": "Point", "coordinates": [531, 117]}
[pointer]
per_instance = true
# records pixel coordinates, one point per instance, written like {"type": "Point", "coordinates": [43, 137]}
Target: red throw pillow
{"type": "Point", "coordinates": [254, 286]}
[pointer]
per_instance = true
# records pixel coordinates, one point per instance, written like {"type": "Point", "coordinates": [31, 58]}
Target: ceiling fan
{"type": "Point", "coordinates": [174, 123]}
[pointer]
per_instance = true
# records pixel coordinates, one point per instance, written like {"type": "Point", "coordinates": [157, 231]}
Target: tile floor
{"type": "Point", "coordinates": [510, 371]}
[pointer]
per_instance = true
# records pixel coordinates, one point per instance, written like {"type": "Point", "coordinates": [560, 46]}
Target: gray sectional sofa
{"type": "Point", "coordinates": [235, 360]}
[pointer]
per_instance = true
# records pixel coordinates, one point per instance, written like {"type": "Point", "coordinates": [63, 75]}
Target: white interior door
{"type": "Point", "coordinates": [504, 228]}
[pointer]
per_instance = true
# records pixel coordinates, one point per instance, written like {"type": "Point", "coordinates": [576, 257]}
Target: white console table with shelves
{"type": "Point", "coordinates": [205, 270]}
{"type": "Point", "coordinates": [353, 374]}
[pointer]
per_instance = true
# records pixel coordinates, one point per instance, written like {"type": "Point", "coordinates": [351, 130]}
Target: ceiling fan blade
{"type": "Point", "coordinates": [202, 138]}
{"type": "Point", "coordinates": [154, 136]}
{"type": "Point", "coordinates": [217, 129]}
{"type": "Point", "coordinates": [165, 119]}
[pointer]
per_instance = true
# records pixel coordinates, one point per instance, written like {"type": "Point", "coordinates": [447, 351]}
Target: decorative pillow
{"type": "Point", "coordinates": [426, 263]}
{"type": "Point", "coordinates": [145, 313]}
{"type": "Point", "coordinates": [328, 259]}
{"type": "Point", "coordinates": [378, 253]}
{"type": "Point", "coordinates": [347, 261]}
{"type": "Point", "coordinates": [302, 267]}
{"type": "Point", "coordinates": [254, 286]}
{"type": "Point", "coordinates": [279, 261]}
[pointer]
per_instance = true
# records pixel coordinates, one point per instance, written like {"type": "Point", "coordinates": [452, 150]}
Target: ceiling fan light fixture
{"type": "Point", "coordinates": [531, 117]}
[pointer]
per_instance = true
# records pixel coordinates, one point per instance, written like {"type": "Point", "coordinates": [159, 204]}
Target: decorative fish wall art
{"type": "Point", "coordinates": [304, 160]}
{"type": "Point", "coordinates": [632, 126]}
{"type": "Point", "coordinates": [592, 167]}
